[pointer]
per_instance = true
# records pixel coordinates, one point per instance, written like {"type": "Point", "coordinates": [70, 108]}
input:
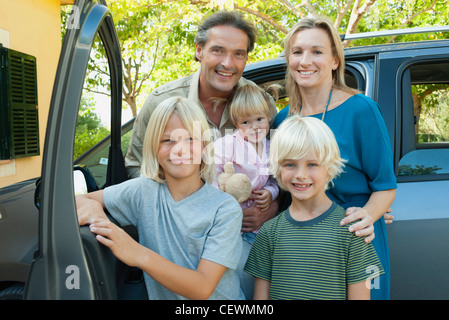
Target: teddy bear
{"type": "Point", "coordinates": [237, 185]}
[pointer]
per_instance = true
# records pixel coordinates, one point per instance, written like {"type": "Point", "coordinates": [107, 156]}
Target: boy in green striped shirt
{"type": "Point", "coordinates": [304, 253]}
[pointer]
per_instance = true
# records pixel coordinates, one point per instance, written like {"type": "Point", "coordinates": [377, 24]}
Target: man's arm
{"type": "Point", "coordinates": [254, 218]}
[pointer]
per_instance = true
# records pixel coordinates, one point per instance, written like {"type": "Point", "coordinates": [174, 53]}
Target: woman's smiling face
{"type": "Point", "coordinates": [311, 60]}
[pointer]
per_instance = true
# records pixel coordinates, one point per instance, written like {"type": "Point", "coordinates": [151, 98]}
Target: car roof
{"type": "Point", "coordinates": [392, 47]}
{"type": "Point", "coordinates": [272, 64]}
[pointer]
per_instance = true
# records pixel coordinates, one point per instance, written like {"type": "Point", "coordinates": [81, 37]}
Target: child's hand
{"type": "Point", "coordinates": [88, 210]}
{"type": "Point", "coordinates": [263, 198]}
{"type": "Point", "coordinates": [115, 238]}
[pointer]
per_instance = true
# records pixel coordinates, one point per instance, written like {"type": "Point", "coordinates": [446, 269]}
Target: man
{"type": "Point", "coordinates": [222, 45]}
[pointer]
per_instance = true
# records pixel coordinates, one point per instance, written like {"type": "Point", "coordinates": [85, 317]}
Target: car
{"type": "Point", "coordinates": [44, 254]}
{"type": "Point", "coordinates": [406, 79]}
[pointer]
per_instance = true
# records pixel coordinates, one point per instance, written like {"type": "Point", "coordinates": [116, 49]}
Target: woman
{"type": "Point", "coordinates": [316, 87]}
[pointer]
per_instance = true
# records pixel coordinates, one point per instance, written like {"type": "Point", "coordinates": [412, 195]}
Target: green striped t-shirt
{"type": "Point", "coordinates": [314, 259]}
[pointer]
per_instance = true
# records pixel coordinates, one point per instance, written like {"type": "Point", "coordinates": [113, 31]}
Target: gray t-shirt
{"type": "Point", "coordinates": [205, 225]}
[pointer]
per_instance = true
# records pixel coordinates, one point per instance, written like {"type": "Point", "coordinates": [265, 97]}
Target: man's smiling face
{"type": "Point", "coordinates": [223, 59]}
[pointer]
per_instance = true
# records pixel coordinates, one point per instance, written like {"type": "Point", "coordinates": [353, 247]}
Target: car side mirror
{"type": "Point", "coordinates": [83, 182]}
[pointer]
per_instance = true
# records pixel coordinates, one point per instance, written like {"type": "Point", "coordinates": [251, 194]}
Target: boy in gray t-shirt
{"type": "Point", "coordinates": [189, 232]}
{"type": "Point", "coordinates": [183, 232]}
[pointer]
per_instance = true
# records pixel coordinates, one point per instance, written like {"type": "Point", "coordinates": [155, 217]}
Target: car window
{"type": "Point", "coordinates": [93, 123]}
{"type": "Point", "coordinates": [426, 105]}
{"type": "Point", "coordinates": [355, 79]}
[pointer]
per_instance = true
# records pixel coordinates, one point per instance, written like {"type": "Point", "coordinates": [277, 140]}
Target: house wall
{"type": "Point", "coordinates": [32, 27]}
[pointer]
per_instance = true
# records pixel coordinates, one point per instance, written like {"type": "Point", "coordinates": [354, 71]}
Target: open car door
{"type": "Point", "coordinates": [70, 263]}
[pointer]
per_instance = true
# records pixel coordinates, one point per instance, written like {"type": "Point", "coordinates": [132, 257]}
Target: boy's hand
{"type": "Point", "coordinates": [115, 238]}
{"type": "Point", "coordinates": [88, 210]}
{"type": "Point", "coordinates": [263, 199]}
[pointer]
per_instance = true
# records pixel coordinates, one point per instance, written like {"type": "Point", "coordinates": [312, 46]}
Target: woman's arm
{"type": "Point", "coordinates": [261, 289]}
{"type": "Point", "coordinates": [192, 284]}
{"type": "Point", "coordinates": [378, 204]}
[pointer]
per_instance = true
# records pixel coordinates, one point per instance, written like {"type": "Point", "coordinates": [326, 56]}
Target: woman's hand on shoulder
{"type": "Point", "coordinates": [365, 225]}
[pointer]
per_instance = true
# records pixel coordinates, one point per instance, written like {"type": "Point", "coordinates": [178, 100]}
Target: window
{"type": "Point", "coordinates": [98, 121]}
{"type": "Point", "coordinates": [19, 123]}
{"type": "Point", "coordinates": [93, 123]}
{"type": "Point", "coordinates": [432, 112]}
{"type": "Point", "coordinates": [354, 78]}
{"type": "Point", "coordinates": [425, 147]}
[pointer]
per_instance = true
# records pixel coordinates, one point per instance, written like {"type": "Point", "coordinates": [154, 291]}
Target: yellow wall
{"type": "Point", "coordinates": [33, 27]}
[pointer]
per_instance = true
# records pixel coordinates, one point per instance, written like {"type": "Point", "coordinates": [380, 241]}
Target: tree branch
{"type": "Point", "coordinates": [409, 20]}
{"type": "Point", "coordinates": [292, 8]}
{"type": "Point", "coordinates": [311, 8]}
{"type": "Point", "coordinates": [342, 12]}
{"type": "Point", "coordinates": [97, 92]}
{"type": "Point", "coordinates": [263, 17]}
{"type": "Point", "coordinates": [356, 15]}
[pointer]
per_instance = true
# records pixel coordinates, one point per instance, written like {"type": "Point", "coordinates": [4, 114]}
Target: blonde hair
{"type": "Point", "coordinates": [248, 100]}
{"type": "Point", "coordinates": [194, 120]}
{"type": "Point", "coordinates": [298, 136]}
{"type": "Point", "coordinates": [338, 75]}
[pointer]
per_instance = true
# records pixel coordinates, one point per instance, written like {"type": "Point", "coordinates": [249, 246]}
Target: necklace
{"type": "Point", "coordinates": [325, 109]}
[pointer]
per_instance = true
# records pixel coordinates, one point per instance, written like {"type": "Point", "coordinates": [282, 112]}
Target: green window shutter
{"type": "Point", "coordinates": [19, 132]}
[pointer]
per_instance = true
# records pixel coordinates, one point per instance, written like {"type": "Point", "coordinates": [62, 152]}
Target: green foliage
{"type": "Point", "coordinates": [407, 170]}
{"type": "Point", "coordinates": [157, 36]}
{"type": "Point", "coordinates": [89, 129]}
{"type": "Point", "coordinates": [434, 117]}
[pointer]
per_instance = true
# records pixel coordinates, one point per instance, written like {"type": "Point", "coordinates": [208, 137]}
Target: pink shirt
{"type": "Point", "coordinates": [234, 148]}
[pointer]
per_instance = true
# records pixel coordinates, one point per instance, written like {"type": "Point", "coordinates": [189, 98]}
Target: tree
{"type": "Point", "coordinates": [349, 16]}
{"type": "Point", "coordinates": [156, 41]}
{"type": "Point", "coordinates": [89, 129]}
{"type": "Point", "coordinates": [431, 103]}
{"type": "Point", "coordinates": [156, 36]}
